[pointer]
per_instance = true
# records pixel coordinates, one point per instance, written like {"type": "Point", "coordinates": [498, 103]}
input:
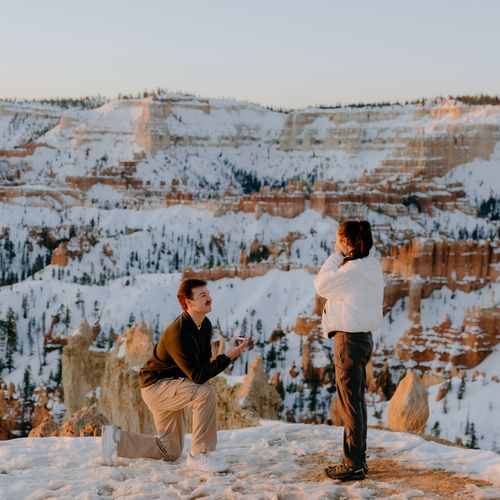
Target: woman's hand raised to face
{"type": "Point", "coordinates": [338, 247]}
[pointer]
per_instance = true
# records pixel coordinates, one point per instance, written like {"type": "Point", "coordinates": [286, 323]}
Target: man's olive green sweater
{"type": "Point", "coordinates": [183, 351]}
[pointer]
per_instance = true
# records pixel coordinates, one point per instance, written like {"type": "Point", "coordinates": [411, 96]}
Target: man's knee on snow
{"type": "Point", "coordinates": [172, 450]}
{"type": "Point", "coordinates": [175, 453]}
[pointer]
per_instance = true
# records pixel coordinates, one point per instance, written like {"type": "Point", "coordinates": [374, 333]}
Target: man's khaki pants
{"type": "Point", "coordinates": [168, 400]}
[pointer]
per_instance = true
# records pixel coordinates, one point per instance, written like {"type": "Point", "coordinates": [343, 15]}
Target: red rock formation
{"type": "Point", "coordinates": [129, 164]}
{"type": "Point", "coordinates": [11, 411]}
{"type": "Point", "coordinates": [463, 347]}
{"type": "Point", "coordinates": [23, 150]}
{"type": "Point", "coordinates": [43, 400]}
{"type": "Point", "coordinates": [278, 204]}
{"type": "Point", "coordinates": [108, 252]}
{"type": "Point", "coordinates": [242, 272]}
{"type": "Point", "coordinates": [307, 324]}
{"type": "Point", "coordinates": [59, 256]}
{"type": "Point", "coordinates": [85, 422]}
{"type": "Point", "coordinates": [81, 369]}
{"type": "Point", "coordinates": [293, 371]}
{"type": "Point", "coordinates": [464, 264]}
{"type": "Point", "coordinates": [418, 268]}
{"type": "Point", "coordinates": [76, 247]}
{"type": "Point", "coordinates": [319, 304]}
{"type": "Point", "coordinates": [311, 366]}
{"type": "Point", "coordinates": [85, 183]}
{"type": "Point", "coordinates": [46, 428]}
{"type": "Point", "coordinates": [174, 198]}
{"type": "Point", "coordinates": [60, 196]}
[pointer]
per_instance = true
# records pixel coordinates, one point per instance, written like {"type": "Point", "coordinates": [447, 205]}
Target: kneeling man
{"type": "Point", "coordinates": [173, 378]}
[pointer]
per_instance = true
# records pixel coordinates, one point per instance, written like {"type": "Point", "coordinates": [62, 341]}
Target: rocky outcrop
{"type": "Point", "coordinates": [34, 197]}
{"type": "Point", "coordinates": [85, 422]}
{"type": "Point", "coordinates": [108, 379]}
{"type": "Point", "coordinates": [21, 416]}
{"type": "Point", "coordinates": [46, 428]}
{"type": "Point", "coordinates": [416, 269]}
{"type": "Point", "coordinates": [266, 201]}
{"type": "Point", "coordinates": [463, 347]}
{"type": "Point", "coordinates": [108, 252]}
{"type": "Point", "coordinates": [59, 256]}
{"type": "Point", "coordinates": [315, 363]}
{"type": "Point", "coordinates": [44, 403]}
{"type": "Point", "coordinates": [257, 394]}
{"type": "Point", "coordinates": [409, 406]}
{"type": "Point", "coordinates": [230, 413]}
{"type": "Point", "coordinates": [84, 183]}
{"type": "Point", "coordinates": [241, 271]}
{"type": "Point", "coordinates": [450, 262]}
{"type": "Point", "coordinates": [443, 390]}
{"type": "Point", "coordinates": [82, 369]}
{"type": "Point", "coordinates": [120, 399]}
{"type": "Point", "coordinates": [11, 411]}
{"type": "Point", "coordinates": [76, 247]}
{"type": "Point", "coordinates": [306, 325]}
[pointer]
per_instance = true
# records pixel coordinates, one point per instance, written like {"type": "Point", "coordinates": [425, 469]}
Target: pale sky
{"type": "Point", "coordinates": [284, 53]}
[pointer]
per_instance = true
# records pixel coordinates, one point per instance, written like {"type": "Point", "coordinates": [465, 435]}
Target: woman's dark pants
{"type": "Point", "coordinates": [351, 354]}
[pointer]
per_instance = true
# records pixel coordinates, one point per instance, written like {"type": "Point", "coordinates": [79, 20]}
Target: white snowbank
{"type": "Point", "coordinates": [266, 462]}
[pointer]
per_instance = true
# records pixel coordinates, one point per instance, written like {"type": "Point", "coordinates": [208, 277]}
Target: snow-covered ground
{"type": "Point", "coordinates": [275, 460]}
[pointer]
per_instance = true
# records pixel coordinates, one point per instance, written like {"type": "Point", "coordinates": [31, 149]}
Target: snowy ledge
{"type": "Point", "coordinates": [276, 460]}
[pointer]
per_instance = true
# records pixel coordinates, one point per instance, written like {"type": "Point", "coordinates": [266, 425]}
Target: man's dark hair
{"type": "Point", "coordinates": [185, 290]}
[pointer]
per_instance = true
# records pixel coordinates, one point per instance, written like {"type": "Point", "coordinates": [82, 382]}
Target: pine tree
{"type": "Point", "coordinates": [27, 390]}
{"type": "Point", "coordinates": [445, 405]}
{"type": "Point", "coordinates": [314, 384]}
{"type": "Point", "coordinates": [244, 327]}
{"type": "Point", "coordinates": [271, 358]}
{"type": "Point", "coordinates": [436, 430]}
{"type": "Point", "coordinates": [131, 319]}
{"type": "Point", "coordinates": [384, 381]}
{"type": "Point", "coordinates": [112, 337]}
{"type": "Point", "coordinates": [9, 328]}
{"type": "Point", "coordinates": [461, 389]}
{"type": "Point", "coordinates": [472, 442]}
{"type": "Point", "coordinates": [3, 335]}
{"type": "Point", "coordinates": [67, 318]}
{"type": "Point", "coordinates": [30, 339]}
{"type": "Point", "coordinates": [58, 375]}
{"type": "Point", "coordinates": [24, 306]}
{"type": "Point", "coordinates": [259, 328]}
{"type": "Point", "coordinates": [300, 404]}
{"type": "Point", "coordinates": [96, 313]}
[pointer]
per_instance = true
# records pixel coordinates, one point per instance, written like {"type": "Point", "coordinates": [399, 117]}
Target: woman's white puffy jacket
{"type": "Point", "coordinates": [354, 294]}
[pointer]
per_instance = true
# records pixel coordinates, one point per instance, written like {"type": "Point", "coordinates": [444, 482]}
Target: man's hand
{"type": "Point", "coordinates": [235, 350]}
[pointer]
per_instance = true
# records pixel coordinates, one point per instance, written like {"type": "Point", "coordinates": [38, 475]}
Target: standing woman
{"type": "Point", "coordinates": [352, 282]}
